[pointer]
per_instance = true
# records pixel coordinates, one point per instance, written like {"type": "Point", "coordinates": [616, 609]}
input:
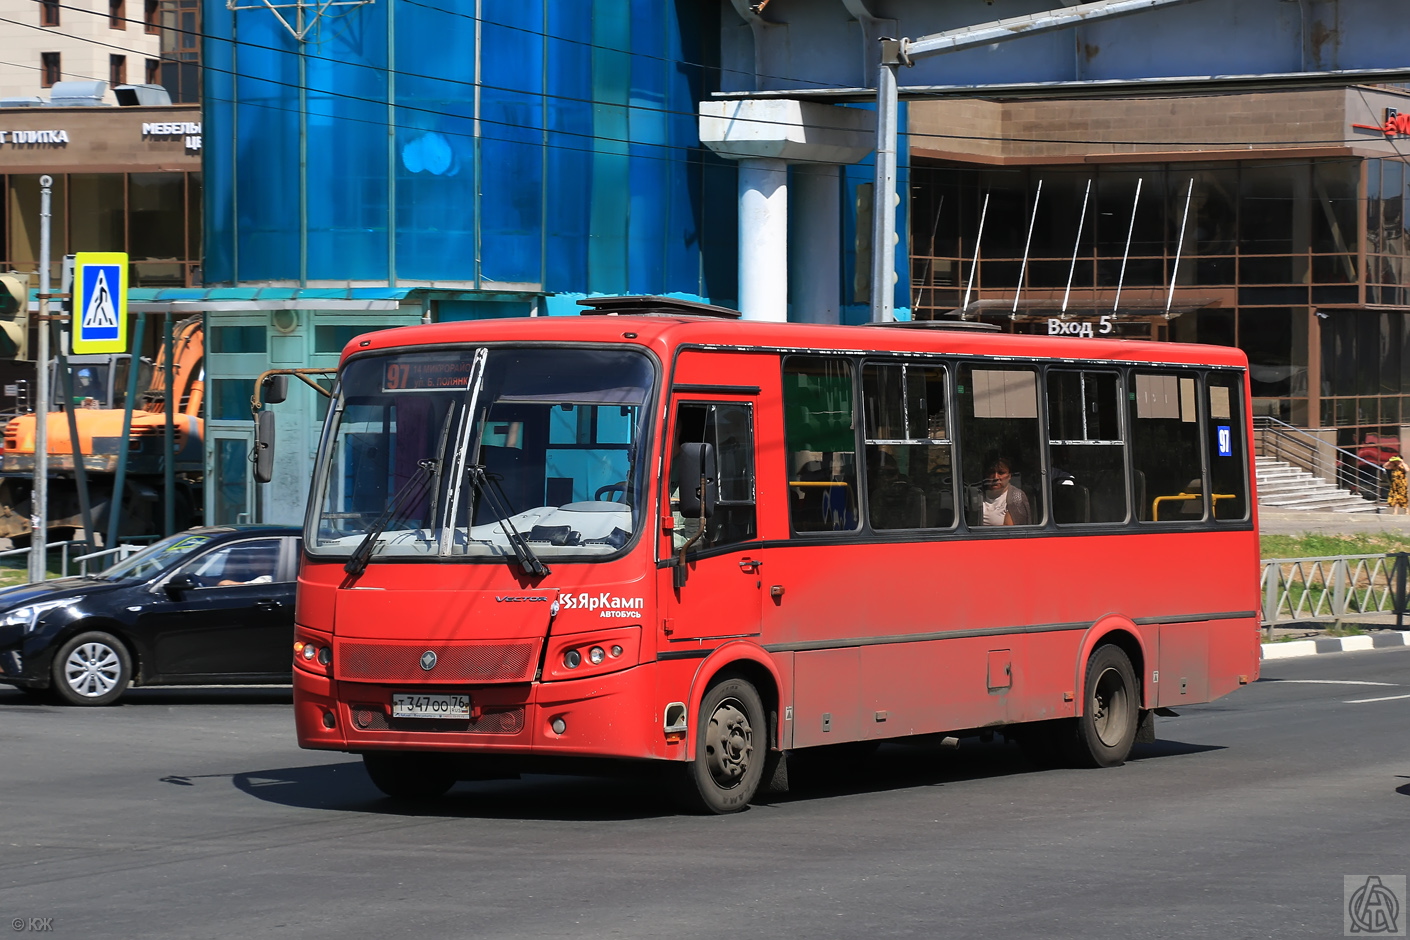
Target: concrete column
{"type": "Point", "coordinates": [763, 239]}
{"type": "Point", "coordinates": [815, 256]}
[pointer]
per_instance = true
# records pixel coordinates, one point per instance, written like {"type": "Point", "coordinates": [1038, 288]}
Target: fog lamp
{"type": "Point", "coordinates": [572, 658]}
{"type": "Point", "coordinates": [558, 725]}
{"type": "Point", "coordinates": [596, 655]}
{"type": "Point", "coordinates": [325, 655]}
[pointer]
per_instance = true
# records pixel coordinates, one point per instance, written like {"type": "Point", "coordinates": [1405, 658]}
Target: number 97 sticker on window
{"type": "Point", "coordinates": [100, 302]}
{"type": "Point", "coordinates": [1226, 441]}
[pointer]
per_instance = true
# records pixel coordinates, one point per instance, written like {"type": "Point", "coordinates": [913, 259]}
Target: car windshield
{"type": "Point", "coordinates": [157, 556]}
{"type": "Point", "coordinates": [415, 439]}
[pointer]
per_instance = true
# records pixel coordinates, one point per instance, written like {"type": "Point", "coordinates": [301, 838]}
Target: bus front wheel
{"type": "Point", "coordinates": [410, 776]}
{"type": "Point", "coordinates": [731, 744]}
{"type": "Point", "coordinates": [1110, 710]}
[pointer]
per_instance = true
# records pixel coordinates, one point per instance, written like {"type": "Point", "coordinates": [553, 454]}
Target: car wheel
{"type": "Point", "coordinates": [91, 669]}
{"type": "Point", "coordinates": [414, 776]}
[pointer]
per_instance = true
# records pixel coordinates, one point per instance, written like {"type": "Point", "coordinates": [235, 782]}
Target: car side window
{"type": "Point", "coordinates": [255, 561]}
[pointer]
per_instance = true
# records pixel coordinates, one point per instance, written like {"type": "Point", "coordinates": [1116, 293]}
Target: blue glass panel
{"type": "Point", "coordinates": [435, 151]}
{"type": "Point", "coordinates": [650, 164]}
{"type": "Point", "coordinates": [267, 150]}
{"type": "Point", "coordinates": [684, 214]}
{"type": "Point", "coordinates": [511, 155]}
{"type": "Point", "coordinates": [218, 162]}
{"type": "Point", "coordinates": [569, 142]}
{"type": "Point", "coordinates": [347, 148]}
{"type": "Point", "coordinates": [611, 93]}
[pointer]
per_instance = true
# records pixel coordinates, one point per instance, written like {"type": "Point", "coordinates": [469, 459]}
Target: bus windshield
{"type": "Point", "coordinates": [415, 439]}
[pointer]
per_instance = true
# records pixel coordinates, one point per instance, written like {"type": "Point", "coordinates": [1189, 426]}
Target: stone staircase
{"type": "Point", "coordinates": [1287, 488]}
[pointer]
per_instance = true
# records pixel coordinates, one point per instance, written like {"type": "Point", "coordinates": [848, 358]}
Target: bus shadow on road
{"type": "Point", "coordinates": [843, 770]}
{"type": "Point", "coordinates": [345, 787]}
{"type": "Point", "coordinates": [817, 774]}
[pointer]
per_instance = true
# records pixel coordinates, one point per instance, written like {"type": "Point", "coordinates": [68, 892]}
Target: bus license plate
{"type": "Point", "coordinates": [430, 706]}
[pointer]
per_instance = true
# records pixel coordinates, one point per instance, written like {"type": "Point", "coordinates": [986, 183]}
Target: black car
{"type": "Point", "coordinates": [210, 605]}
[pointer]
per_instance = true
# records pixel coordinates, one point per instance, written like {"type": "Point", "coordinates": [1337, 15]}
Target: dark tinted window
{"type": "Point", "coordinates": [910, 477]}
{"type": "Point", "coordinates": [821, 438]}
{"type": "Point", "coordinates": [1086, 458]}
{"type": "Point", "coordinates": [999, 442]}
{"type": "Point", "coordinates": [1165, 448]}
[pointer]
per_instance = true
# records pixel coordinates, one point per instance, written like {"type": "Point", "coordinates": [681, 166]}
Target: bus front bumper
{"type": "Point", "coordinates": [614, 715]}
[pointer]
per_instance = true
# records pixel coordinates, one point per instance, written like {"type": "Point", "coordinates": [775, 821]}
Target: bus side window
{"type": "Point", "coordinates": [1165, 448]}
{"type": "Point", "coordinates": [729, 427]}
{"type": "Point", "coordinates": [821, 437]}
{"type": "Point", "coordinates": [1086, 452]}
{"type": "Point", "coordinates": [1228, 474]}
{"type": "Point", "coordinates": [1000, 446]}
{"type": "Point", "coordinates": [910, 480]}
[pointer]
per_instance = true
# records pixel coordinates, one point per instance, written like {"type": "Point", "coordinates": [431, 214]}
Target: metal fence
{"type": "Point", "coordinates": [99, 560]}
{"type": "Point", "coordinates": [1332, 587]}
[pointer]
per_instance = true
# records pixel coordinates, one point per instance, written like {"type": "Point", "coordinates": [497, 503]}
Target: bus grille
{"type": "Point", "coordinates": [502, 721]}
{"type": "Point", "coordinates": [488, 662]}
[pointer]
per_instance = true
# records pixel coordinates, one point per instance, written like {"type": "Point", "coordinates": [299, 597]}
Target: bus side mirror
{"type": "Point", "coordinates": [264, 447]}
{"type": "Point", "coordinates": [274, 390]}
{"type": "Point", "coordinates": [694, 461]}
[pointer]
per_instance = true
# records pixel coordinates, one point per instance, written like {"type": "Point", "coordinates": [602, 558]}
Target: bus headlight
{"type": "Point", "coordinates": [572, 658]}
{"type": "Point", "coordinates": [596, 655]}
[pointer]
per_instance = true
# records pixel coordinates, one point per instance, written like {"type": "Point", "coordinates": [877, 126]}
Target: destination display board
{"type": "Point", "coordinates": [426, 375]}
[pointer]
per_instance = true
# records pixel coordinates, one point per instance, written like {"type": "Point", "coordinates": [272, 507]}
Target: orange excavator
{"type": "Point", "coordinates": [100, 442]}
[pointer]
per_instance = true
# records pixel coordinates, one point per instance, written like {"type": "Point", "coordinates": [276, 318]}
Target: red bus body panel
{"type": "Point", "coordinates": [846, 642]}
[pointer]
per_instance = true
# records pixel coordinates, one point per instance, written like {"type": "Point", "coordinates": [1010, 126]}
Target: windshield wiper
{"type": "Point", "coordinates": [411, 491]}
{"type": "Point", "coordinates": [488, 487]}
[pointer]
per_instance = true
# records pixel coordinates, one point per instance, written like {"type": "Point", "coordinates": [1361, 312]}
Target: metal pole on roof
{"type": "Point", "coordinates": [1023, 268]}
{"type": "Point", "coordinates": [897, 52]}
{"type": "Point", "coordinates": [39, 491]}
{"type": "Point", "coordinates": [978, 240]}
{"type": "Point", "coordinates": [1076, 246]}
{"type": "Point", "coordinates": [1179, 247]}
{"type": "Point", "coordinates": [120, 478]}
{"type": "Point", "coordinates": [1130, 230]}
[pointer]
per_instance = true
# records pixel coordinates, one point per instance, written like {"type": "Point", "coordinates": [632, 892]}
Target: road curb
{"type": "Point", "coordinates": [1340, 644]}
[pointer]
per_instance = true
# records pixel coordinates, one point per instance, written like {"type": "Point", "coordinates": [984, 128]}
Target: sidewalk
{"type": "Point", "coordinates": [1271, 522]}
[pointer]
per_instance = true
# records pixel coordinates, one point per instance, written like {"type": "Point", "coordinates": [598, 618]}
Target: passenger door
{"type": "Point", "coordinates": [723, 579]}
{"type": "Point", "coordinates": [237, 622]}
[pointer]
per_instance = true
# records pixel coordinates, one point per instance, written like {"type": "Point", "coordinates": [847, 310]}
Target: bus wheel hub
{"type": "Point", "coordinates": [729, 742]}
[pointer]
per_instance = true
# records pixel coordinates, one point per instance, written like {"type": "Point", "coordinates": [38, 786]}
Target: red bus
{"type": "Point", "coordinates": [656, 533]}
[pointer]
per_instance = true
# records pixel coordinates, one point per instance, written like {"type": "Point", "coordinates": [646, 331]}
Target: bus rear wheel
{"type": "Point", "coordinates": [410, 776]}
{"type": "Point", "coordinates": [1110, 710]}
{"type": "Point", "coordinates": [731, 745]}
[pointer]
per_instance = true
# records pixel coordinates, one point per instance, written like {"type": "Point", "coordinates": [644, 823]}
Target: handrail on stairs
{"type": "Point", "coordinates": [1321, 458]}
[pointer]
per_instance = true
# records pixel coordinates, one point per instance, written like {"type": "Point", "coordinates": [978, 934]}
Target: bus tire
{"type": "Point", "coordinates": [415, 776]}
{"type": "Point", "coordinates": [92, 668]}
{"type": "Point", "coordinates": [731, 748]}
{"type": "Point", "coordinates": [1107, 726]}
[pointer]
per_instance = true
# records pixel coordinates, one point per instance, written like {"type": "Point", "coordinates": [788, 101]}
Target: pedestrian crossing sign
{"type": "Point", "coordinates": [99, 302]}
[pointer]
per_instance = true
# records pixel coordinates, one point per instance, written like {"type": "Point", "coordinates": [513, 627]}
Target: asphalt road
{"type": "Point", "coordinates": [192, 814]}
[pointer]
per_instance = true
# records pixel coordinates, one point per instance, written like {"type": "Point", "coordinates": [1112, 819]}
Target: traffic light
{"type": "Point", "coordinates": [14, 316]}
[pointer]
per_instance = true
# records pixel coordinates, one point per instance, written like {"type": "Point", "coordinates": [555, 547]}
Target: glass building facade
{"type": "Point", "coordinates": [1300, 263]}
{"type": "Point", "coordinates": [540, 148]}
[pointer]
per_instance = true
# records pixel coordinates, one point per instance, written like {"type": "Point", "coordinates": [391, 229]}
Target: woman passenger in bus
{"type": "Point", "coordinates": [1004, 503]}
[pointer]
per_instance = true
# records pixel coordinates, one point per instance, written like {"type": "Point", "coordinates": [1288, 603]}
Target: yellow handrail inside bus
{"type": "Point", "coordinates": [1155, 504]}
{"type": "Point", "coordinates": [818, 483]}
